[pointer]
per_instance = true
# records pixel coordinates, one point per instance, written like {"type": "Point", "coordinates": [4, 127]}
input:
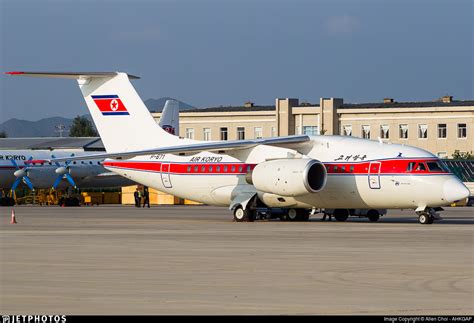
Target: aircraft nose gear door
{"type": "Point", "coordinates": [165, 175]}
{"type": "Point", "coordinates": [374, 175]}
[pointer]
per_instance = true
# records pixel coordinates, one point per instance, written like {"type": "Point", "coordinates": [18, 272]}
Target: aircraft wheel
{"type": "Point", "coordinates": [425, 218]}
{"type": "Point", "coordinates": [373, 215]}
{"type": "Point", "coordinates": [341, 215]}
{"type": "Point", "coordinates": [293, 215]}
{"type": "Point", "coordinates": [241, 215]}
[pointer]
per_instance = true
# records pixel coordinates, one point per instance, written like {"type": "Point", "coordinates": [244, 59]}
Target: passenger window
{"type": "Point", "coordinates": [410, 166]}
{"type": "Point", "coordinates": [196, 168]}
{"type": "Point", "coordinates": [351, 169]}
{"type": "Point", "coordinates": [203, 168]}
{"type": "Point", "coordinates": [225, 169]}
{"type": "Point", "coordinates": [210, 168]}
{"type": "Point", "coordinates": [434, 167]}
{"type": "Point", "coordinates": [233, 169]}
{"type": "Point", "coordinates": [218, 168]}
{"type": "Point", "coordinates": [189, 169]}
{"type": "Point", "coordinates": [240, 169]}
{"type": "Point", "coordinates": [343, 169]}
{"type": "Point", "coordinates": [335, 169]}
{"type": "Point", "coordinates": [248, 168]}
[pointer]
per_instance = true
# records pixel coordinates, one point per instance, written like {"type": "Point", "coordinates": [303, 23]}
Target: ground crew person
{"type": "Point", "coordinates": [136, 195]}
{"type": "Point", "coordinates": [146, 196]}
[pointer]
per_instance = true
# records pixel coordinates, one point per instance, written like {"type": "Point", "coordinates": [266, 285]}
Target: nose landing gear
{"type": "Point", "coordinates": [428, 216]}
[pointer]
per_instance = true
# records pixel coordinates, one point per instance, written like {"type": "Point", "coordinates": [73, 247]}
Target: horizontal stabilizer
{"type": "Point", "coordinates": [69, 75]}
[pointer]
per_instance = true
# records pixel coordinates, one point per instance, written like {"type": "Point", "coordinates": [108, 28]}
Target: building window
{"type": "Point", "coordinates": [366, 132]}
{"type": "Point", "coordinates": [403, 131]}
{"type": "Point", "coordinates": [347, 130]}
{"type": "Point", "coordinates": [384, 131]}
{"type": "Point", "coordinates": [224, 134]}
{"type": "Point", "coordinates": [258, 132]}
{"type": "Point", "coordinates": [190, 133]}
{"type": "Point", "coordinates": [442, 130]}
{"type": "Point", "coordinates": [311, 130]}
{"type": "Point", "coordinates": [240, 133]}
{"type": "Point", "coordinates": [462, 130]}
{"type": "Point", "coordinates": [206, 134]}
{"type": "Point", "coordinates": [422, 131]}
{"type": "Point", "coordinates": [274, 132]}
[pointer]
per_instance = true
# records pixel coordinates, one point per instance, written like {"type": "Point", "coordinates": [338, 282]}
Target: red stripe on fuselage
{"type": "Point", "coordinates": [389, 166]}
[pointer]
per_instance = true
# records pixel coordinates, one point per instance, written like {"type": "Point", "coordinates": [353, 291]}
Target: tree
{"type": "Point", "coordinates": [82, 127]}
{"type": "Point", "coordinates": [462, 155]}
{"type": "Point", "coordinates": [3, 134]}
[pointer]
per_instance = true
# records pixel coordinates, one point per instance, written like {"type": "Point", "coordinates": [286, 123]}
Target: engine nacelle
{"type": "Point", "coordinates": [289, 177]}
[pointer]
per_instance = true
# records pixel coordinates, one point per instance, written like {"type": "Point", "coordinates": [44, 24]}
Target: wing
{"type": "Point", "coordinates": [216, 146]}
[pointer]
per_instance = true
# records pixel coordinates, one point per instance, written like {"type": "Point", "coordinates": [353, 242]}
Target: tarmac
{"type": "Point", "coordinates": [196, 260]}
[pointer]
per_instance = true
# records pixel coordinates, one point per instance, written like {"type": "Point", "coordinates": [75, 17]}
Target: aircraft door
{"type": "Point", "coordinates": [374, 175]}
{"type": "Point", "coordinates": [165, 175]}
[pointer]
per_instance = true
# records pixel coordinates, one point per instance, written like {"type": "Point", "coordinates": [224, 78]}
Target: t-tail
{"type": "Point", "coordinates": [122, 119]}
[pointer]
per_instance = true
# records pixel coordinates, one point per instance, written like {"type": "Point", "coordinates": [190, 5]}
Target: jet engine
{"type": "Point", "coordinates": [289, 177]}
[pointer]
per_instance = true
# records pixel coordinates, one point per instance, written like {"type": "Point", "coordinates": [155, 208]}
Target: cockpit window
{"type": "Point", "coordinates": [434, 167]}
{"type": "Point", "coordinates": [410, 166]}
{"type": "Point", "coordinates": [420, 167]}
{"type": "Point", "coordinates": [444, 166]}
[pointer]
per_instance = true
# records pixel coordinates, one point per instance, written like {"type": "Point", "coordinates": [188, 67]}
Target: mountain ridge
{"type": "Point", "coordinates": [46, 127]}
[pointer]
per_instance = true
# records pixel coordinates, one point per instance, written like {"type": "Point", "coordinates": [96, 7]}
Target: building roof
{"type": "Point", "coordinates": [86, 143]}
{"type": "Point", "coordinates": [424, 104]}
{"type": "Point", "coordinates": [234, 109]}
{"type": "Point", "coordinates": [376, 105]}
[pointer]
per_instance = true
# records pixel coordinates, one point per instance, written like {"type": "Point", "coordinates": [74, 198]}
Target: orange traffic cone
{"type": "Point", "coordinates": [13, 220]}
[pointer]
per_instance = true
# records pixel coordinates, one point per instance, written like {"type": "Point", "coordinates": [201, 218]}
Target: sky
{"type": "Point", "coordinates": [209, 53]}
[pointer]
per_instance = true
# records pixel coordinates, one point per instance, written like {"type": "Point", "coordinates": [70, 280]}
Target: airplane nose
{"type": "Point", "coordinates": [455, 190]}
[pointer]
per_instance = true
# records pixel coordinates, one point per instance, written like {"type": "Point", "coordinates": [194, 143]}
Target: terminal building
{"type": "Point", "coordinates": [441, 127]}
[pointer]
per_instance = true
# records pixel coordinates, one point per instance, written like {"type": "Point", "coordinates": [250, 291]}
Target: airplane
{"type": "Point", "coordinates": [296, 173]}
{"type": "Point", "coordinates": [34, 169]}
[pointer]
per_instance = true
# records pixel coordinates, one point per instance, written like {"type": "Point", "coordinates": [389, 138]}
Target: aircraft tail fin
{"type": "Point", "coordinates": [169, 120]}
{"type": "Point", "coordinates": [122, 119]}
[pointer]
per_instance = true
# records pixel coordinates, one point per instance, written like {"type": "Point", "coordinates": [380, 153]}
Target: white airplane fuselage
{"type": "Point", "coordinates": [360, 174]}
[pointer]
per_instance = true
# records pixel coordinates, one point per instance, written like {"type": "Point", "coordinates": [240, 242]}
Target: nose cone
{"type": "Point", "coordinates": [454, 190]}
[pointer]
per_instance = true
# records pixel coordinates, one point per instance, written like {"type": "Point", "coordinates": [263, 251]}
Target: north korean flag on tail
{"type": "Point", "coordinates": [110, 105]}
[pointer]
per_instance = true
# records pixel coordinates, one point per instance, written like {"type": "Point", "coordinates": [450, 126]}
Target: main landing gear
{"type": "Point", "coordinates": [295, 215]}
{"type": "Point", "coordinates": [243, 215]}
{"type": "Point", "coordinates": [428, 216]}
{"type": "Point", "coordinates": [252, 214]}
